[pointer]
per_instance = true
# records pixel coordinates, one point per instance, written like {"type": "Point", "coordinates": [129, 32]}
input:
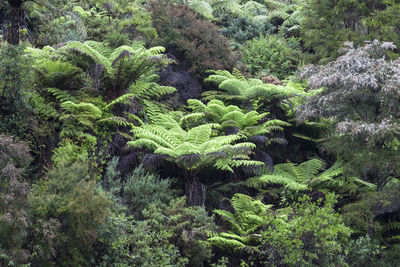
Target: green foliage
{"type": "Point", "coordinates": [328, 24]}
{"type": "Point", "coordinates": [16, 87]}
{"type": "Point", "coordinates": [67, 210]}
{"type": "Point", "coordinates": [360, 100]}
{"type": "Point", "coordinates": [56, 74]}
{"type": "Point", "coordinates": [165, 232]}
{"type": "Point", "coordinates": [77, 118]}
{"type": "Point", "coordinates": [141, 189]}
{"type": "Point", "coordinates": [311, 175]}
{"type": "Point", "coordinates": [313, 233]}
{"type": "Point", "coordinates": [14, 221]}
{"type": "Point", "coordinates": [174, 236]}
{"type": "Point", "coordinates": [283, 15]}
{"type": "Point", "coordinates": [125, 242]}
{"type": "Point", "coordinates": [244, 29]}
{"type": "Point", "coordinates": [363, 251]}
{"type": "Point", "coordinates": [272, 55]}
{"type": "Point", "coordinates": [305, 233]}
{"type": "Point", "coordinates": [364, 215]}
{"type": "Point", "coordinates": [189, 37]}
{"type": "Point", "coordinates": [194, 149]}
{"type": "Point", "coordinates": [72, 101]}
{"type": "Point", "coordinates": [295, 177]}
{"type": "Point", "coordinates": [246, 92]}
{"type": "Point", "coordinates": [243, 225]}
{"type": "Point", "coordinates": [190, 226]}
{"type": "Point", "coordinates": [116, 22]}
{"type": "Point", "coordinates": [233, 118]}
{"type": "Point", "coordinates": [126, 69]}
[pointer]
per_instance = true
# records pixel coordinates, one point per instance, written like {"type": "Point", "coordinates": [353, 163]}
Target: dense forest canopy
{"type": "Point", "coordinates": [199, 133]}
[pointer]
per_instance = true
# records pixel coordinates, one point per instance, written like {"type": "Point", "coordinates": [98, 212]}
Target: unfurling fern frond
{"type": "Point", "coordinates": [157, 50]}
{"type": "Point", "coordinates": [238, 75]}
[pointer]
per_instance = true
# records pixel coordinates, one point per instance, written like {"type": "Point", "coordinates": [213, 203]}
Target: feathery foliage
{"type": "Point", "coordinates": [232, 117]}
{"type": "Point", "coordinates": [246, 91]}
{"type": "Point", "coordinates": [193, 150]}
{"type": "Point", "coordinates": [361, 98]}
{"type": "Point", "coordinates": [242, 225]}
{"type": "Point", "coordinates": [311, 175]}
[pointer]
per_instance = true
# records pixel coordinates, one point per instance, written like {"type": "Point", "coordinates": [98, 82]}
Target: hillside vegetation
{"type": "Point", "coordinates": [199, 133]}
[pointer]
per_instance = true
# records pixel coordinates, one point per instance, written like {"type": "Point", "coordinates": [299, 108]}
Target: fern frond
{"type": "Point", "coordinates": [238, 75]}
{"type": "Point", "coordinates": [90, 53]}
{"type": "Point", "coordinates": [118, 121]}
{"type": "Point", "coordinates": [61, 95]}
{"type": "Point", "coordinates": [148, 143]}
{"type": "Point", "coordinates": [193, 117]}
{"type": "Point", "coordinates": [157, 50]}
{"type": "Point", "coordinates": [225, 243]}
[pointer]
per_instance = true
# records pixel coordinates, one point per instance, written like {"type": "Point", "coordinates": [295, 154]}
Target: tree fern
{"type": "Point", "coordinates": [126, 68]}
{"type": "Point", "coordinates": [248, 124]}
{"type": "Point", "coordinates": [293, 176]}
{"type": "Point", "coordinates": [242, 225]}
{"type": "Point", "coordinates": [56, 73]}
{"type": "Point", "coordinates": [244, 92]}
{"type": "Point", "coordinates": [90, 54]}
{"type": "Point", "coordinates": [192, 150]}
{"type": "Point", "coordinates": [310, 175]}
{"type": "Point", "coordinates": [61, 95]}
{"type": "Point", "coordinates": [78, 118]}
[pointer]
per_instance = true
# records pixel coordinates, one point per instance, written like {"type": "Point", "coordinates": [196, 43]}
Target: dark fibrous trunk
{"type": "Point", "coordinates": [13, 29]}
{"type": "Point", "coordinates": [195, 191]}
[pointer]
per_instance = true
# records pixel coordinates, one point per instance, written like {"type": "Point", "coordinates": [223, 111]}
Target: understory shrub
{"type": "Point", "coordinates": [182, 32]}
{"type": "Point", "coordinates": [273, 55]}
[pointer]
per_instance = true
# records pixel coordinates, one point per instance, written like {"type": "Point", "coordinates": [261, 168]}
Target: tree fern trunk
{"type": "Point", "coordinates": [13, 29]}
{"type": "Point", "coordinates": [195, 191]}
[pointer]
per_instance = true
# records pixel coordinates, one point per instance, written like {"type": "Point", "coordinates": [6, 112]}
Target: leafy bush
{"type": "Point", "coordinates": [116, 22]}
{"type": "Point", "coordinates": [302, 234]}
{"type": "Point", "coordinates": [67, 211]}
{"type": "Point", "coordinates": [163, 230]}
{"type": "Point", "coordinates": [360, 97]}
{"type": "Point", "coordinates": [174, 236]}
{"type": "Point", "coordinates": [194, 39]}
{"type": "Point", "coordinates": [273, 55]}
{"type": "Point", "coordinates": [141, 189]}
{"type": "Point", "coordinates": [126, 242]}
{"type": "Point", "coordinates": [311, 233]}
{"type": "Point", "coordinates": [328, 24]}
{"type": "Point", "coordinates": [14, 220]}
{"type": "Point", "coordinates": [119, 22]}
{"type": "Point", "coordinates": [243, 29]}
{"type": "Point", "coordinates": [16, 79]}
{"type": "Point", "coordinates": [138, 189]}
